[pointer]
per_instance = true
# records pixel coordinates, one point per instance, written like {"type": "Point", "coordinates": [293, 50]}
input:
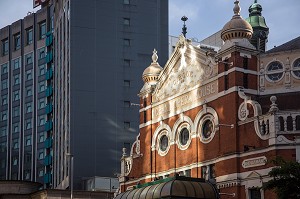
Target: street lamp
{"type": "Point", "coordinates": [71, 163]}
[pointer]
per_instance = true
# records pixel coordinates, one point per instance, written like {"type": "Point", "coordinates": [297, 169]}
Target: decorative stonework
{"type": "Point", "coordinates": [190, 68]}
{"type": "Point", "coordinates": [254, 162]}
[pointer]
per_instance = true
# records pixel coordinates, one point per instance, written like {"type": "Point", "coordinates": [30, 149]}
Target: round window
{"type": "Point", "coordinates": [296, 68]}
{"type": "Point", "coordinates": [275, 71]}
{"type": "Point", "coordinates": [163, 143]}
{"type": "Point", "coordinates": [184, 136]}
{"type": "Point", "coordinates": [207, 129]}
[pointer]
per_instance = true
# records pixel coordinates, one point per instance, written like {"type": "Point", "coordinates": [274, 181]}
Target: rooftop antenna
{"type": "Point", "coordinates": [184, 19]}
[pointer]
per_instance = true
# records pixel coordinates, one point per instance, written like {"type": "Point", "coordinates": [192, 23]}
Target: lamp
{"type": "Point", "coordinates": [227, 125]}
{"type": "Point", "coordinates": [71, 161]}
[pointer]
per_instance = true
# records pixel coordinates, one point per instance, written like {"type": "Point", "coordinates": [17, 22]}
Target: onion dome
{"type": "Point", "coordinates": [255, 18]}
{"type": "Point", "coordinates": [237, 27]}
{"type": "Point", "coordinates": [152, 72]}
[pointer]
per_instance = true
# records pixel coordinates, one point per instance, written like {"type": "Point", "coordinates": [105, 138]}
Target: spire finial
{"type": "Point", "coordinates": [184, 19]}
{"type": "Point", "coordinates": [237, 8]}
{"type": "Point", "coordinates": [154, 56]}
{"type": "Point", "coordinates": [255, 1]}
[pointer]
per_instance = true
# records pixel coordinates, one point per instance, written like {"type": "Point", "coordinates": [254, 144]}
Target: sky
{"type": "Point", "coordinates": [205, 17]}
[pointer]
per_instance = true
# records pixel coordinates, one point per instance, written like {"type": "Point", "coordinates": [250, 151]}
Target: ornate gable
{"type": "Point", "coordinates": [188, 67]}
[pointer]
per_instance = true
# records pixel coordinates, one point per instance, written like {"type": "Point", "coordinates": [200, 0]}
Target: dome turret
{"type": "Point", "coordinates": [152, 72]}
{"type": "Point", "coordinates": [237, 27]}
{"type": "Point", "coordinates": [260, 28]}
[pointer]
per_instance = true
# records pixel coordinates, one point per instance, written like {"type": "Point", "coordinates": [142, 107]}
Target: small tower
{"type": "Point", "coordinates": [260, 29]}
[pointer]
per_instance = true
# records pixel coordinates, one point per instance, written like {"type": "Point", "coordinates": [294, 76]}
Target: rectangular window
{"type": "Point", "coordinates": [127, 63]}
{"type": "Point", "coordinates": [42, 69]}
{"type": "Point", "coordinates": [212, 173]}
{"type": "Point", "coordinates": [126, 2]}
{"type": "Point", "coordinates": [28, 140]}
{"type": "Point", "coordinates": [41, 103]}
{"type": "Point", "coordinates": [42, 29]}
{"type": "Point", "coordinates": [126, 125]}
{"type": "Point", "coordinates": [17, 40]}
{"type": "Point", "coordinates": [245, 63]}
{"type": "Point", "coordinates": [126, 21]}
{"type": "Point", "coordinates": [3, 131]}
{"type": "Point", "coordinates": [41, 154]}
{"type": "Point", "coordinates": [41, 53]}
{"type": "Point", "coordinates": [127, 104]}
{"type": "Point", "coordinates": [127, 83]}
{"type": "Point", "coordinates": [28, 58]}
{"type": "Point", "coordinates": [4, 68]}
{"type": "Point", "coordinates": [28, 124]}
{"type": "Point", "coordinates": [4, 115]}
{"type": "Point", "coordinates": [28, 75]}
{"type": "Point", "coordinates": [42, 137]}
{"type": "Point", "coordinates": [27, 174]}
{"type": "Point", "coordinates": [42, 86]}
{"type": "Point", "coordinates": [29, 36]}
{"type": "Point", "coordinates": [5, 47]}
{"type": "Point", "coordinates": [16, 128]}
{"type": "Point", "coordinates": [42, 120]}
{"type": "Point", "coordinates": [15, 143]}
{"type": "Point", "coordinates": [254, 194]}
{"type": "Point", "coordinates": [16, 79]}
{"type": "Point", "coordinates": [204, 172]}
{"type": "Point", "coordinates": [41, 172]}
{"type": "Point", "coordinates": [16, 111]}
{"type": "Point", "coordinates": [16, 95]}
{"type": "Point", "coordinates": [4, 84]}
{"type": "Point", "coordinates": [28, 157]}
{"type": "Point", "coordinates": [28, 91]}
{"type": "Point", "coordinates": [3, 147]}
{"type": "Point", "coordinates": [4, 99]}
{"type": "Point", "coordinates": [15, 160]}
{"type": "Point", "coordinates": [16, 63]}
{"type": "Point", "coordinates": [28, 107]}
{"type": "Point", "coordinates": [126, 42]}
{"type": "Point", "coordinates": [2, 163]}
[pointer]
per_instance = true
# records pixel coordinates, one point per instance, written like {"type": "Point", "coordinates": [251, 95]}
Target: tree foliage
{"type": "Point", "coordinates": [286, 179]}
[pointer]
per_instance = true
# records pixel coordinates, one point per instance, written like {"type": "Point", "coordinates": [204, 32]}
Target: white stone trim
{"type": "Point", "coordinates": [159, 129]}
{"type": "Point", "coordinates": [183, 122]}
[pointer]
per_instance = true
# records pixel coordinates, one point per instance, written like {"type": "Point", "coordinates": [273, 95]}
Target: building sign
{"type": "Point", "coordinates": [36, 3]}
{"type": "Point", "coordinates": [254, 162]}
{"type": "Point", "coordinates": [186, 101]}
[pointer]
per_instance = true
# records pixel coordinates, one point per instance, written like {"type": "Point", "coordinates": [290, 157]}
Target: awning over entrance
{"type": "Point", "coordinates": [176, 187]}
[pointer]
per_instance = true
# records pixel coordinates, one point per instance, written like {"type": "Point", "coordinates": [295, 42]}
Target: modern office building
{"type": "Point", "coordinates": [23, 98]}
{"type": "Point", "coordinates": [221, 116]}
{"type": "Point", "coordinates": [92, 52]}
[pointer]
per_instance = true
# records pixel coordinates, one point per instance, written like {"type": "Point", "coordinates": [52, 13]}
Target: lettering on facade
{"type": "Point", "coordinates": [254, 162]}
{"type": "Point", "coordinates": [185, 101]}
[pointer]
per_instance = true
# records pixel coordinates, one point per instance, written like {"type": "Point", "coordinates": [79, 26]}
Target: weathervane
{"type": "Point", "coordinates": [184, 19]}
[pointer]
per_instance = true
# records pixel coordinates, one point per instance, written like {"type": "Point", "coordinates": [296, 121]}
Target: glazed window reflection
{"type": "Point", "coordinates": [207, 129]}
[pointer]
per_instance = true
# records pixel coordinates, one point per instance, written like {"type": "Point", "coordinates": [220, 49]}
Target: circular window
{"type": "Point", "coordinates": [275, 71]}
{"type": "Point", "coordinates": [207, 129]}
{"type": "Point", "coordinates": [184, 136]}
{"type": "Point", "coordinates": [163, 143]}
{"type": "Point", "coordinates": [296, 68]}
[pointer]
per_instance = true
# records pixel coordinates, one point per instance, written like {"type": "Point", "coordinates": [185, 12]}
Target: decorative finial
{"type": "Point", "coordinates": [154, 56]}
{"type": "Point", "coordinates": [124, 152]}
{"type": "Point", "coordinates": [273, 107]}
{"type": "Point", "coordinates": [255, 1]}
{"type": "Point", "coordinates": [237, 8]}
{"type": "Point", "coordinates": [184, 19]}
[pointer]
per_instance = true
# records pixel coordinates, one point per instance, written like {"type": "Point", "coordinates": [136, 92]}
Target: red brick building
{"type": "Point", "coordinates": [221, 116]}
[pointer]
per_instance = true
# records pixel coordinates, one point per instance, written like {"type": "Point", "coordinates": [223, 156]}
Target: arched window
{"type": "Point", "coordinates": [298, 122]}
{"type": "Point", "coordinates": [281, 124]}
{"type": "Point", "coordinates": [289, 122]}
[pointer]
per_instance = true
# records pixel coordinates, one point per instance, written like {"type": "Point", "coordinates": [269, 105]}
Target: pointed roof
{"type": "Point", "coordinates": [294, 44]}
